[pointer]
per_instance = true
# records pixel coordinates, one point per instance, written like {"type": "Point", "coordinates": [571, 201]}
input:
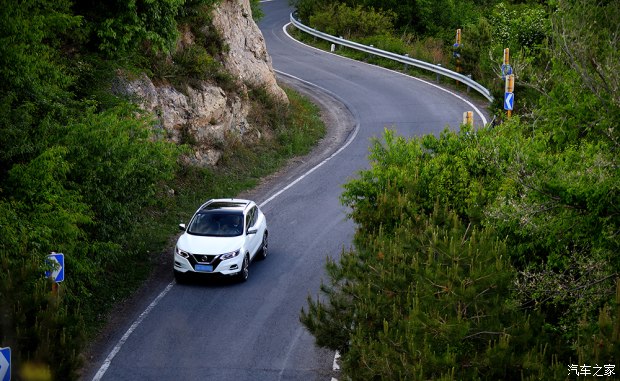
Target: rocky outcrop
{"type": "Point", "coordinates": [247, 57]}
{"type": "Point", "coordinates": [203, 114]}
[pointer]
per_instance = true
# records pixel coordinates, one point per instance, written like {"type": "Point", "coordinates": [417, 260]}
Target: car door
{"type": "Point", "coordinates": [253, 240]}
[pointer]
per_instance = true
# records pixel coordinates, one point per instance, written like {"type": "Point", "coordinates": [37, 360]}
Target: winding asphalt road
{"type": "Point", "coordinates": [251, 331]}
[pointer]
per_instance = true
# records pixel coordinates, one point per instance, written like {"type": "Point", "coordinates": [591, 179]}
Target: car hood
{"type": "Point", "coordinates": [197, 244]}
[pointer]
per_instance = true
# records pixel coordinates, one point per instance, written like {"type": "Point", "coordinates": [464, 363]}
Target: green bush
{"type": "Point", "coordinates": [428, 298]}
{"type": "Point", "coordinates": [351, 22]}
{"type": "Point", "coordinates": [386, 42]}
{"type": "Point", "coordinates": [119, 27]}
{"type": "Point", "coordinates": [195, 63]}
{"type": "Point", "coordinates": [461, 170]}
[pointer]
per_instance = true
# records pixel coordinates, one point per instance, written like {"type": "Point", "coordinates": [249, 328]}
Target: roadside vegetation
{"type": "Point", "coordinates": [82, 173]}
{"type": "Point", "coordinates": [426, 30]}
{"type": "Point", "coordinates": [490, 253]}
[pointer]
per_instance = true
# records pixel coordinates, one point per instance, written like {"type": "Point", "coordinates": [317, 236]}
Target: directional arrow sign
{"type": "Point", "coordinates": [58, 261]}
{"type": "Point", "coordinates": [509, 101]}
{"type": "Point", "coordinates": [5, 364]}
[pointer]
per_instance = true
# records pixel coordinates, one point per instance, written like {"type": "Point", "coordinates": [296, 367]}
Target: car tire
{"type": "Point", "coordinates": [264, 247]}
{"type": "Point", "coordinates": [245, 269]}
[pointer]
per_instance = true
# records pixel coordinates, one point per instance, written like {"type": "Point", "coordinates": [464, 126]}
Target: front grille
{"type": "Point", "coordinates": [204, 259]}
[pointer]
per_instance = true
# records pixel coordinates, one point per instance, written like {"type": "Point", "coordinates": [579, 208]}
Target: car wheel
{"type": "Point", "coordinates": [264, 248]}
{"type": "Point", "coordinates": [180, 277]}
{"type": "Point", "coordinates": [245, 269]}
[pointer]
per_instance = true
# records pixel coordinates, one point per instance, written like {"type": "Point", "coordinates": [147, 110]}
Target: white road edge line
{"type": "Point", "coordinates": [289, 351]}
{"type": "Point", "coordinates": [335, 366]}
{"type": "Point", "coordinates": [133, 327]}
{"type": "Point", "coordinates": [482, 117]}
{"type": "Point", "coordinates": [348, 142]}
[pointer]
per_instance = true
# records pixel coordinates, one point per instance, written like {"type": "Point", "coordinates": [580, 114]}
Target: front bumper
{"type": "Point", "coordinates": [196, 264]}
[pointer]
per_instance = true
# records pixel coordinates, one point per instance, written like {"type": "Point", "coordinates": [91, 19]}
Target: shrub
{"type": "Point", "coordinates": [428, 298]}
{"type": "Point", "coordinates": [352, 22]}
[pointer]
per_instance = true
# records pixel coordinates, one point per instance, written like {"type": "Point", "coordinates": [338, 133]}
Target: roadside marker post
{"type": "Point", "coordinates": [509, 97]}
{"type": "Point", "coordinates": [457, 52]}
{"type": "Point", "coordinates": [506, 68]}
{"type": "Point", "coordinates": [468, 118]}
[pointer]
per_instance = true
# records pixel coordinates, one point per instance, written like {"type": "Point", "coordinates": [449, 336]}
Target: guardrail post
{"type": "Point", "coordinates": [406, 68]}
{"type": "Point", "coordinates": [438, 75]}
{"type": "Point", "coordinates": [468, 76]}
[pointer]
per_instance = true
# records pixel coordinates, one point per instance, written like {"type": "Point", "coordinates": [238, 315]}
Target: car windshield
{"type": "Point", "coordinates": [216, 224]}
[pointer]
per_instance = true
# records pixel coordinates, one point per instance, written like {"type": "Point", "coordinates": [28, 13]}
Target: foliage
{"type": "Point", "coordinates": [545, 186]}
{"type": "Point", "coordinates": [557, 207]}
{"type": "Point", "coordinates": [119, 27]}
{"type": "Point", "coordinates": [476, 40]}
{"type": "Point", "coordinates": [257, 11]}
{"type": "Point", "coordinates": [81, 171]}
{"type": "Point", "coordinates": [560, 210]}
{"type": "Point", "coordinates": [422, 17]}
{"type": "Point", "coordinates": [194, 62]}
{"type": "Point", "coordinates": [460, 170]}
{"type": "Point", "coordinates": [425, 299]}
{"type": "Point", "coordinates": [307, 8]}
{"type": "Point", "coordinates": [519, 26]}
{"type": "Point", "coordinates": [350, 22]}
{"type": "Point", "coordinates": [36, 324]}
{"type": "Point", "coordinates": [33, 78]}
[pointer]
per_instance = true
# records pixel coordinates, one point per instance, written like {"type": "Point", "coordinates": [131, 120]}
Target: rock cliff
{"type": "Point", "coordinates": [204, 113]}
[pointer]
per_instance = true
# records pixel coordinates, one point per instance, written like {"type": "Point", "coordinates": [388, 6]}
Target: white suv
{"type": "Point", "coordinates": [223, 237]}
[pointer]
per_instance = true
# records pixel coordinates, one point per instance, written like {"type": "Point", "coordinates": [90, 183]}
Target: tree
{"type": "Point", "coordinates": [427, 299]}
{"type": "Point", "coordinates": [119, 27]}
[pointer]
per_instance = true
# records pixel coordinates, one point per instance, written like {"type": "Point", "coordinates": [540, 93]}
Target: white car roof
{"type": "Point", "coordinates": [227, 204]}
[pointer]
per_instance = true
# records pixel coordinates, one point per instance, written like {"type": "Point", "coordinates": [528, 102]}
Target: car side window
{"type": "Point", "coordinates": [249, 222]}
{"type": "Point", "coordinates": [254, 215]}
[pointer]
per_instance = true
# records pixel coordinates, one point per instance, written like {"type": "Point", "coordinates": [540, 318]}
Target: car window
{"type": "Point", "coordinates": [254, 215]}
{"type": "Point", "coordinates": [249, 219]}
{"type": "Point", "coordinates": [216, 224]}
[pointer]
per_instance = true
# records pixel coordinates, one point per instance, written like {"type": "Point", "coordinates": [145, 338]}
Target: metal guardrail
{"type": "Point", "coordinates": [395, 57]}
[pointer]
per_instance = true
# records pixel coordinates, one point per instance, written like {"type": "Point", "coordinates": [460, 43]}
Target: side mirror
{"type": "Point", "coordinates": [182, 227]}
{"type": "Point", "coordinates": [252, 231]}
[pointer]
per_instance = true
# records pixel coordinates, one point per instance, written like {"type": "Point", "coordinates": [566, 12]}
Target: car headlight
{"type": "Point", "coordinates": [230, 255]}
{"type": "Point", "coordinates": [182, 253]}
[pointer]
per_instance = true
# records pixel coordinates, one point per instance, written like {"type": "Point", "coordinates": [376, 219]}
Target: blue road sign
{"type": "Point", "coordinates": [5, 364]}
{"type": "Point", "coordinates": [58, 260]}
{"type": "Point", "coordinates": [509, 101]}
